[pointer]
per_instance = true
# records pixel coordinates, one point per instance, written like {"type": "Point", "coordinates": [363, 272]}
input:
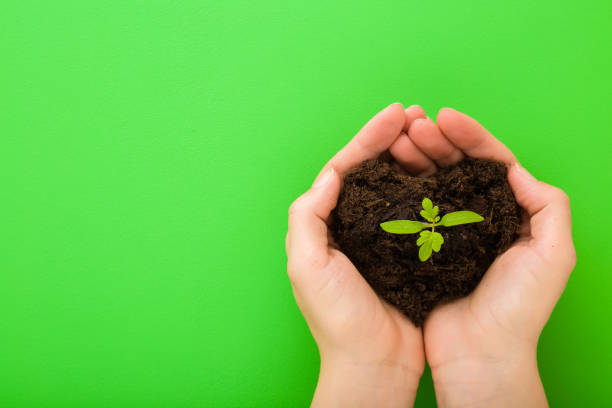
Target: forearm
{"type": "Point", "coordinates": [512, 382]}
{"type": "Point", "coordinates": [356, 385]}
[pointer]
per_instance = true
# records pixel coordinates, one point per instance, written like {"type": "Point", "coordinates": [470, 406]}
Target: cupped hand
{"type": "Point", "coordinates": [371, 354]}
{"type": "Point", "coordinates": [482, 348]}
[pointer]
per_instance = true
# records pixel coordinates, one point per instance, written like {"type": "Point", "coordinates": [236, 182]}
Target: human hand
{"type": "Point", "coordinates": [371, 354]}
{"type": "Point", "coordinates": [482, 348]}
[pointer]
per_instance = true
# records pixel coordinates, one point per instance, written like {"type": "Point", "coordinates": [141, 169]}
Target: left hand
{"type": "Point", "coordinates": [371, 354]}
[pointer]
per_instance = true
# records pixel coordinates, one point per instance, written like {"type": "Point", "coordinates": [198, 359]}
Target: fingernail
{"type": "Point", "coordinates": [419, 121]}
{"type": "Point", "coordinates": [524, 171]}
{"type": "Point", "coordinates": [415, 108]}
{"type": "Point", "coordinates": [324, 178]}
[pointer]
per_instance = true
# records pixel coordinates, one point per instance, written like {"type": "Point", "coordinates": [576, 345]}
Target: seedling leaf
{"type": "Point", "coordinates": [429, 212]}
{"type": "Point", "coordinates": [460, 217]}
{"type": "Point", "coordinates": [425, 214]}
{"type": "Point", "coordinates": [429, 241]}
{"type": "Point", "coordinates": [436, 241]}
{"type": "Point", "coordinates": [402, 226]}
{"type": "Point", "coordinates": [425, 251]}
{"type": "Point", "coordinates": [424, 237]}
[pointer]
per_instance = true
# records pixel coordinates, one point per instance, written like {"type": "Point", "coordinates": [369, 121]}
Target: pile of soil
{"type": "Point", "coordinates": [375, 192]}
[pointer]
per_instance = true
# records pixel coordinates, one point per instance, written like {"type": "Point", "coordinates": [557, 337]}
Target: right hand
{"type": "Point", "coordinates": [482, 348]}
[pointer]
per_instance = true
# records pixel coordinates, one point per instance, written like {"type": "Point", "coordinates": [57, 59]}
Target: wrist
{"type": "Point", "coordinates": [355, 384]}
{"type": "Point", "coordinates": [506, 379]}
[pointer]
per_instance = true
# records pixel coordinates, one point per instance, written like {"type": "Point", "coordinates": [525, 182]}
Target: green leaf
{"type": "Point", "coordinates": [426, 215]}
{"type": "Point", "coordinates": [436, 241]}
{"type": "Point", "coordinates": [429, 212]}
{"type": "Point", "coordinates": [402, 226]}
{"type": "Point", "coordinates": [460, 217]}
{"type": "Point", "coordinates": [437, 219]}
{"type": "Point", "coordinates": [429, 241]}
{"type": "Point", "coordinates": [425, 251]}
{"type": "Point", "coordinates": [424, 237]}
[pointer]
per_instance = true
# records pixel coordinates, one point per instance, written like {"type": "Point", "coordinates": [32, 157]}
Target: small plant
{"type": "Point", "coordinates": [430, 240]}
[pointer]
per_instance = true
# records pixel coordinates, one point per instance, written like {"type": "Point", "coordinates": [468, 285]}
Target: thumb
{"type": "Point", "coordinates": [550, 220]}
{"type": "Point", "coordinates": [307, 243]}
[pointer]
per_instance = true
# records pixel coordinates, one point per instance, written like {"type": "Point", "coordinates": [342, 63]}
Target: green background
{"type": "Point", "coordinates": [149, 151]}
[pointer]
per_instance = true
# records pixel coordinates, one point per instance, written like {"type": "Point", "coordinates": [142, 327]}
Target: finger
{"type": "Point", "coordinates": [374, 138]}
{"type": "Point", "coordinates": [471, 137]}
{"type": "Point", "coordinates": [406, 153]}
{"type": "Point", "coordinates": [550, 219]}
{"type": "Point", "coordinates": [410, 158]}
{"type": "Point", "coordinates": [430, 140]}
{"type": "Point", "coordinates": [412, 113]}
{"type": "Point", "coordinates": [307, 243]}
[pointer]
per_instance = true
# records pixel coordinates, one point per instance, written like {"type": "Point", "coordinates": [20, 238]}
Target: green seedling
{"type": "Point", "coordinates": [430, 240]}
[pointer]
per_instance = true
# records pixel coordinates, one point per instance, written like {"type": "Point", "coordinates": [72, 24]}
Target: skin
{"type": "Point", "coordinates": [482, 348]}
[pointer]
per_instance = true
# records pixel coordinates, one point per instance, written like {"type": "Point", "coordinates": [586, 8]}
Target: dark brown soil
{"type": "Point", "coordinates": [374, 192]}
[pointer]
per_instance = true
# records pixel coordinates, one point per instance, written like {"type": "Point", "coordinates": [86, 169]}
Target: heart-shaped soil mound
{"type": "Point", "coordinates": [374, 193]}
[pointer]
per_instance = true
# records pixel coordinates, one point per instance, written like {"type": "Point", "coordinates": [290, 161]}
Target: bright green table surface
{"type": "Point", "coordinates": [149, 151]}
